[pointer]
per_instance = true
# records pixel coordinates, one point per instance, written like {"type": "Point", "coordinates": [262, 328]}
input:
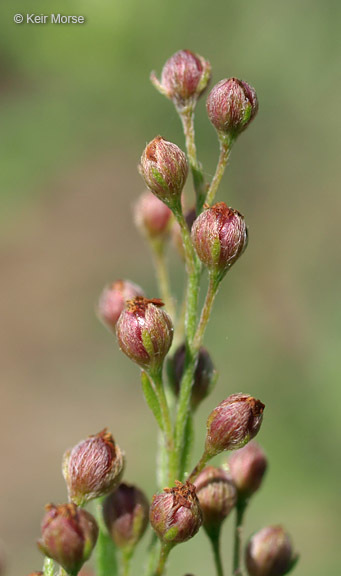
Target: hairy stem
{"type": "Point", "coordinates": [187, 119]}
{"type": "Point", "coordinates": [164, 553]}
{"type": "Point", "coordinates": [105, 551]}
{"type": "Point", "coordinates": [156, 377]}
{"type": "Point", "coordinates": [48, 568]}
{"type": "Point", "coordinates": [206, 311]}
{"type": "Point", "coordinates": [226, 143]}
{"type": "Point", "coordinates": [158, 250]}
{"type": "Point", "coordinates": [197, 469]}
{"type": "Point", "coordinates": [238, 538]}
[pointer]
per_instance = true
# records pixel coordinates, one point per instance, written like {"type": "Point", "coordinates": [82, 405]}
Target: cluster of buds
{"type": "Point", "coordinates": [93, 468]}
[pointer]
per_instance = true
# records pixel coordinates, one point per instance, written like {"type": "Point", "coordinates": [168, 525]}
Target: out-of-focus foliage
{"type": "Point", "coordinates": [76, 109]}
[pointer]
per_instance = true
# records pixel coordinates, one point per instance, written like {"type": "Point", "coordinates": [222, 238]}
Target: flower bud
{"type": "Point", "coordinates": [219, 236]}
{"type": "Point", "coordinates": [145, 332]}
{"type": "Point", "coordinates": [217, 496]}
{"type": "Point", "coordinates": [69, 535]}
{"type": "Point", "coordinates": [204, 375]}
{"type": "Point", "coordinates": [164, 169]}
{"type": "Point", "coordinates": [184, 78]}
{"type": "Point", "coordinates": [175, 513]}
{"type": "Point", "coordinates": [113, 298]}
{"type": "Point", "coordinates": [233, 423]}
{"type": "Point", "coordinates": [247, 467]}
{"type": "Point", "coordinates": [126, 514]}
{"type": "Point", "coordinates": [270, 553]}
{"type": "Point", "coordinates": [231, 105]}
{"type": "Point", "coordinates": [152, 217]}
{"type": "Point", "coordinates": [93, 468]}
{"type": "Point", "coordinates": [190, 216]}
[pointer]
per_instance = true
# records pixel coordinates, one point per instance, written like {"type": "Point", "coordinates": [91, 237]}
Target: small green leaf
{"type": "Point", "coordinates": [151, 398]}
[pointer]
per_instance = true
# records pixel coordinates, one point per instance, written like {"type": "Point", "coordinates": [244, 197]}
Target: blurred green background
{"type": "Point", "coordinates": [76, 109]}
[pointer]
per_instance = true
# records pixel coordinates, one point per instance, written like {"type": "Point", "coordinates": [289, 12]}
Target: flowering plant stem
{"type": "Point", "coordinates": [187, 118]}
{"type": "Point", "coordinates": [238, 538]}
{"type": "Point", "coordinates": [165, 550]}
{"type": "Point", "coordinates": [106, 561]}
{"type": "Point", "coordinates": [214, 536]}
{"type": "Point", "coordinates": [48, 568]}
{"type": "Point", "coordinates": [159, 255]}
{"type": "Point", "coordinates": [226, 142]}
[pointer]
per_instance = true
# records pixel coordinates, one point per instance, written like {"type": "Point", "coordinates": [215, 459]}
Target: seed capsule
{"type": "Point", "coordinates": [233, 423]}
{"type": "Point", "coordinates": [247, 468]}
{"type": "Point", "coordinates": [69, 535]}
{"type": "Point", "coordinates": [184, 77]}
{"type": "Point", "coordinates": [219, 236]}
{"type": "Point", "coordinates": [113, 299]}
{"type": "Point", "coordinates": [152, 217]}
{"type": "Point", "coordinates": [164, 169]}
{"type": "Point", "coordinates": [231, 106]}
{"type": "Point", "coordinates": [93, 468]}
{"type": "Point", "coordinates": [270, 553]}
{"type": "Point", "coordinates": [175, 513]}
{"type": "Point", "coordinates": [217, 496]}
{"type": "Point", "coordinates": [145, 332]}
{"type": "Point", "coordinates": [126, 514]}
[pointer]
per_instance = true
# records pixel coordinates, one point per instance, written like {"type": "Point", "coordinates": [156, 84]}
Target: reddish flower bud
{"type": "Point", "coordinates": [93, 468]}
{"type": "Point", "coordinates": [113, 299]}
{"type": "Point", "coordinates": [126, 514]}
{"type": "Point", "coordinates": [231, 105]}
{"type": "Point", "coordinates": [204, 375]}
{"type": "Point", "coordinates": [152, 217]}
{"type": "Point", "coordinates": [247, 468]}
{"type": "Point", "coordinates": [219, 236]}
{"type": "Point", "coordinates": [69, 535]}
{"type": "Point", "coordinates": [164, 169]}
{"type": "Point", "coordinates": [217, 496]}
{"type": "Point", "coordinates": [184, 78]}
{"type": "Point", "coordinates": [190, 216]}
{"type": "Point", "coordinates": [270, 553]}
{"type": "Point", "coordinates": [145, 332]}
{"type": "Point", "coordinates": [233, 423]}
{"type": "Point", "coordinates": [175, 513]}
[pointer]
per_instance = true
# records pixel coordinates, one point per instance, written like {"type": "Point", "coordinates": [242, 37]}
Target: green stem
{"type": "Point", "coordinates": [127, 554]}
{"type": "Point", "coordinates": [153, 553]}
{"type": "Point", "coordinates": [158, 249]}
{"type": "Point", "coordinates": [201, 464]}
{"type": "Point", "coordinates": [214, 537]}
{"type": "Point", "coordinates": [187, 119]}
{"type": "Point", "coordinates": [106, 562]}
{"type": "Point", "coordinates": [156, 377]}
{"type": "Point", "coordinates": [165, 550]}
{"type": "Point", "coordinates": [226, 143]}
{"type": "Point", "coordinates": [62, 572]}
{"type": "Point", "coordinates": [48, 568]}
{"type": "Point", "coordinates": [206, 311]}
{"type": "Point", "coordinates": [238, 538]}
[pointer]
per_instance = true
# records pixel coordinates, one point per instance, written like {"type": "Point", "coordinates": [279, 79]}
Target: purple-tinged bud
{"type": "Point", "coordinates": [219, 236]}
{"type": "Point", "coordinates": [217, 496]}
{"type": "Point", "coordinates": [270, 553]}
{"type": "Point", "coordinates": [204, 375]}
{"type": "Point", "coordinates": [69, 535]}
{"type": "Point", "coordinates": [247, 467]}
{"type": "Point", "coordinates": [175, 513]}
{"type": "Point", "coordinates": [184, 78]}
{"type": "Point", "coordinates": [231, 106]}
{"type": "Point", "coordinates": [126, 515]}
{"type": "Point", "coordinates": [152, 217]}
{"type": "Point", "coordinates": [190, 216]}
{"type": "Point", "coordinates": [145, 332]}
{"type": "Point", "coordinates": [93, 468]}
{"type": "Point", "coordinates": [233, 423]}
{"type": "Point", "coordinates": [164, 168]}
{"type": "Point", "coordinates": [113, 299]}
